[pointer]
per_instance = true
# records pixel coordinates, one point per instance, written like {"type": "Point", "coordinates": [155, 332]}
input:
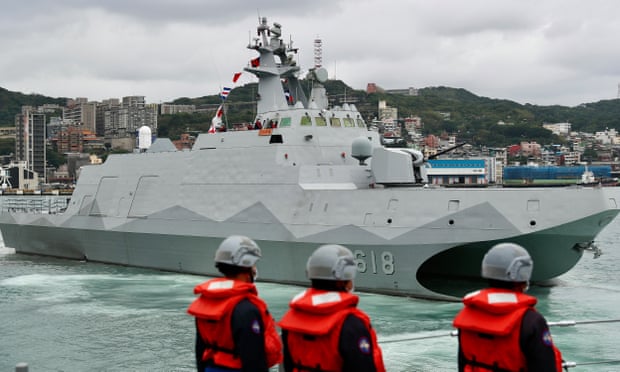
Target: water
{"type": "Point", "coordinates": [60, 315]}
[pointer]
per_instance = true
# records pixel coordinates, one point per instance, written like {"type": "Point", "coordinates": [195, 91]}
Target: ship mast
{"type": "Point", "coordinates": [269, 45]}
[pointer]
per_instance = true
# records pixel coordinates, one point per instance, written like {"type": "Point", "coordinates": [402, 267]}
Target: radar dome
{"type": "Point", "coordinates": [321, 74]}
{"type": "Point", "coordinates": [144, 137]}
{"type": "Point", "coordinates": [318, 74]}
{"type": "Point", "coordinates": [361, 149]}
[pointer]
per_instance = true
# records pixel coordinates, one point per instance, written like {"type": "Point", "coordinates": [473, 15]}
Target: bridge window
{"type": "Point", "coordinates": [320, 121]}
{"type": "Point", "coordinates": [360, 123]}
{"type": "Point", "coordinates": [285, 122]}
{"type": "Point", "coordinates": [305, 120]}
{"type": "Point", "coordinates": [348, 122]}
{"type": "Point", "coordinates": [335, 122]}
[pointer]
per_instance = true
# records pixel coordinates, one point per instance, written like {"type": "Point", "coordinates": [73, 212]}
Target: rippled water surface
{"type": "Point", "coordinates": [60, 315]}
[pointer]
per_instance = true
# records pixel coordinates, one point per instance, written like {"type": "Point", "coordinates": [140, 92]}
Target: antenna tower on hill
{"type": "Point", "coordinates": [318, 53]}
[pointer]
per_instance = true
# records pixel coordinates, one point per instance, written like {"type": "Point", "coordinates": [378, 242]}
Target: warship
{"type": "Point", "coordinates": [312, 174]}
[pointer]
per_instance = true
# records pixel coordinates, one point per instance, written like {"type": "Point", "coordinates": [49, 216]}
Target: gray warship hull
{"type": "Point", "coordinates": [313, 174]}
{"type": "Point", "coordinates": [169, 211]}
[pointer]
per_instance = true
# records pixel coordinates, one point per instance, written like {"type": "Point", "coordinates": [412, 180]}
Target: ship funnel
{"type": "Point", "coordinates": [361, 149]}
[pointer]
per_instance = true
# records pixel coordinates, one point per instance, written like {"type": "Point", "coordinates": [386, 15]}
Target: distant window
{"type": "Point", "coordinates": [360, 123]}
{"type": "Point", "coordinates": [348, 122]}
{"type": "Point", "coordinates": [335, 122]}
{"type": "Point", "coordinates": [305, 120]}
{"type": "Point", "coordinates": [320, 121]}
{"type": "Point", "coordinates": [285, 122]}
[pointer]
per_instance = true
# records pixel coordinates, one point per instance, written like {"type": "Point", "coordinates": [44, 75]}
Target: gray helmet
{"type": "Point", "coordinates": [508, 262]}
{"type": "Point", "coordinates": [238, 250]}
{"type": "Point", "coordinates": [331, 262]}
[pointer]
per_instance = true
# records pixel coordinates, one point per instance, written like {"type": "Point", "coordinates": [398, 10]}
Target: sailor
{"type": "Point", "coordinates": [234, 330]}
{"type": "Point", "coordinates": [324, 330]}
{"type": "Point", "coordinates": [499, 328]}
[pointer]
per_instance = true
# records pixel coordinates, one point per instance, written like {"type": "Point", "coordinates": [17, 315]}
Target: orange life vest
{"type": "Point", "coordinates": [320, 315]}
{"type": "Point", "coordinates": [489, 330]}
{"type": "Point", "coordinates": [214, 308]}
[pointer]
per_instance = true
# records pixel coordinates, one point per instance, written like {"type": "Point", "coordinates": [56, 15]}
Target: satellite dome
{"type": "Point", "coordinates": [361, 149]}
{"type": "Point", "coordinates": [144, 137]}
{"type": "Point", "coordinates": [321, 74]}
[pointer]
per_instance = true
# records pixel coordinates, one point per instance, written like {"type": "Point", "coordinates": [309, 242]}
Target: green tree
{"type": "Point", "coordinates": [7, 146]}
{"type": "Point", "coordinates": [54, 158]}
{"type": "Point", "coordinates": [589, 155]}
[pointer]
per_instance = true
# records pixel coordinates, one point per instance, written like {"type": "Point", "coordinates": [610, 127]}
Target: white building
{"type": "Point", "coordinates": [559, 129]}
{"type": "Point", "coordinates": [607, 137]}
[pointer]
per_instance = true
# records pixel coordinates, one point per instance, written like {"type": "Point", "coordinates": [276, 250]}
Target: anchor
{"type": "Point", "coordinates": [590, 247]}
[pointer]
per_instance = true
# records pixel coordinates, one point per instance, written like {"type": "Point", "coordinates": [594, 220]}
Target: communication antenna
{"type": "Point", "coordinates": [618, 91]}
{"type": "Point", "coordinates": [318, 53]}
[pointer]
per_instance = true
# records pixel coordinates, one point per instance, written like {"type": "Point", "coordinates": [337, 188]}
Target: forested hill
{"type": "Point", "coordinates": [473, 118]}
{"type": "Point", "coordinates": [11, 104]}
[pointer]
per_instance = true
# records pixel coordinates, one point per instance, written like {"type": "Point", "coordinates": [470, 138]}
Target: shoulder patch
{"type": "Point", "coordinates": [546, 338]}
{"type": "Point", "coordinates": [364, 345]}
{"type": "Point", "coordinates": [255, 326]}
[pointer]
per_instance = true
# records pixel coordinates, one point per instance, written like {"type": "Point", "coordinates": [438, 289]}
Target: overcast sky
{"type": "Point", "coordinates": [530, 51]}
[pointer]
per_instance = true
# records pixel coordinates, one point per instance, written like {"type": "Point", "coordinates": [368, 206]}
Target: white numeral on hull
{"type": "Point", "coordinates": [386, 263]}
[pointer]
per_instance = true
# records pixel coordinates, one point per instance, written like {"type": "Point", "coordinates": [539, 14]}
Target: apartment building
{"type": "Point", "coordinates": [30, 139]}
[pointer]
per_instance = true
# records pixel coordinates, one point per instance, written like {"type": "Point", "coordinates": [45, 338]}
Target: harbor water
{"type": "Point", "coordinates": [61, 315]}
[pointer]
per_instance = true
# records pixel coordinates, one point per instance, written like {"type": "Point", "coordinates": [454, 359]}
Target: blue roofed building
{"type": "Point", "coordinates": [459, 171]}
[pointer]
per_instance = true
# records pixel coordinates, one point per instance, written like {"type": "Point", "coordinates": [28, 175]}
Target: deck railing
{"type": "Point", "coordinates": [34, 204]}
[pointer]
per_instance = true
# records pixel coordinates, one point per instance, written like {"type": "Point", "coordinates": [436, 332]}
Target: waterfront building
{"type": "Point", "coordinates": [388, 116]}
{"type": "Point", "coordinates": [530, 148]}
{"type": "Point", "coordinates": [30, 139]}
{"type": "Point", "coordinates": [560, 129]}
{"type": "Point", "coordinates": [75, 139]}
{"type": "Point", "coordinates": [496, 168]}
{"type": "Point", "coordinates": [518, 175]}
{"type": "Point", "coordinates": [80, 111]}
{"type": "Point", "coordinates": [607, 137]}
{"type": "Point", "coordinates": [458, 171]}
{"type": "Point", "coordinates": [7, 132]}
{"type": "Point", "coordinates": [103, 110]}
{"type": "Point", "coordinates": [21, 176]}
{"type": "Point", "coordinates": [170, 109]}
{"type": "Point", "coordinates": [571, 157]}
{"type": "Point", "coordinates": [124, 120]}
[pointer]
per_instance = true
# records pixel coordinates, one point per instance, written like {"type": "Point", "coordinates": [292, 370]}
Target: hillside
{"type": "Point", "coordinates": [473, 118]}
{"type": "Point", "coordinates": [11, 104]}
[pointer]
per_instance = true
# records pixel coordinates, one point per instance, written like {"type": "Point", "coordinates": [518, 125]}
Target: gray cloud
{"type": "Point", "coordinates": [551, 52]}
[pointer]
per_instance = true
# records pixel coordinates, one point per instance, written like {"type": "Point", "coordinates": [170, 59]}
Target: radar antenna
{"type": "Point", "coordinates": [318, 53]}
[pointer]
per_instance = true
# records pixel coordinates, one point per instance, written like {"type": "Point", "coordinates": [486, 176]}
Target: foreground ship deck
{"type": "Point", "coordinates": [316, 176]}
